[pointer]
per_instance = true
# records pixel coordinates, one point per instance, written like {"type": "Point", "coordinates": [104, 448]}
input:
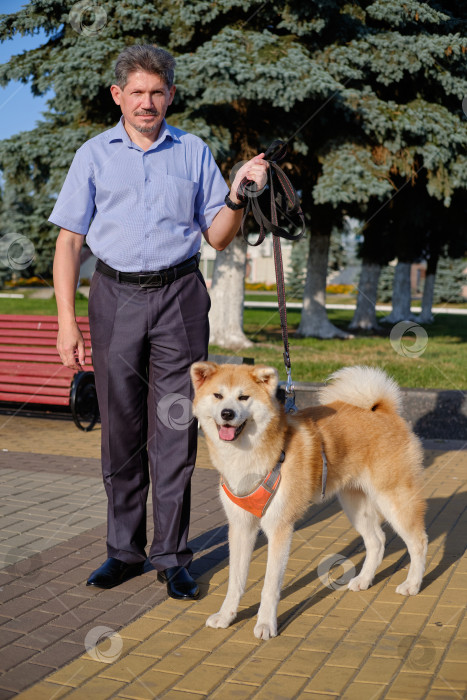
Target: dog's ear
{"type": "Point", "coordinates": [200, 371]}
{"type": "Point", "coordinates": [267, 377]}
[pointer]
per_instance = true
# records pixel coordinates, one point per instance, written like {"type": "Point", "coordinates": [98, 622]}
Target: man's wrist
{"type": "Point", "coordinates": [234, 203]}
{"type": "Point", "coordinates": [66, 321]}
{"type": "Point", "coordinates": [233, 197]}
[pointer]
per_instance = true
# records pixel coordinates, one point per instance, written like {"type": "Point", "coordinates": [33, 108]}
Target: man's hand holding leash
{"type": "Point", "coordinates": [225, 226]}
{"type": "Point", "coordinates": [255, 170]}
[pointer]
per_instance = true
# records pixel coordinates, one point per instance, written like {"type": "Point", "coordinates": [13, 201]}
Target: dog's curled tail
{"type": "Point", "coordinates": [366, 387]}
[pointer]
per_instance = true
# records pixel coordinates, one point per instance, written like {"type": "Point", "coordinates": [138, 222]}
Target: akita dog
{"type": "Point", "coordinates": [272, 464]}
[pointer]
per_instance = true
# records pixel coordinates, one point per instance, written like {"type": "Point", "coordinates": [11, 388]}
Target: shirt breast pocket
{"type": "Point", "coordinates": [180, 197]}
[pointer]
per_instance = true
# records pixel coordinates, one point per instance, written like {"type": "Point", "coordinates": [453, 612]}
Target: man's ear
{"type": "Point", "coordinates": [116, 91]}
{"type": "Point", "coordinates": [172, 91]}
{"type": "Point", "coordinates": [267, 377]}
{"type": "Point", "coordinates": [200, 371]}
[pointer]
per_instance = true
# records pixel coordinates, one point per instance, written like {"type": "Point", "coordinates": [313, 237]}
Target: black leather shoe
{"type": "Point", "coordinates": [180, 585]}
{"type": "Point", "coordinates": [113, 572]}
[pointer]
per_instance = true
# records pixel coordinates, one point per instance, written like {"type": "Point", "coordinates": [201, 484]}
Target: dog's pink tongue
{"type": "Point", "coordinates": [227, 432]}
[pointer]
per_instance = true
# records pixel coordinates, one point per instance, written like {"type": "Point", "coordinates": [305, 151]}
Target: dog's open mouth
{"type": "Point", "coordinates": [230, 432]}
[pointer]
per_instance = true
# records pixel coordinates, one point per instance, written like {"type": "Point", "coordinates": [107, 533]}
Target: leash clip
{"type": "Point", "coordinates": [290, 406]}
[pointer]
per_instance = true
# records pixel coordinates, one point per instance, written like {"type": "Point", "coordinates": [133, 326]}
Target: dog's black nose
{"type": "Point", "coordinates": [227, 414]}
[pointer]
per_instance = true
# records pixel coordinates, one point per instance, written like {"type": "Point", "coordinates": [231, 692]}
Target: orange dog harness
{"type": "Point", "coordinates": [257, 502]}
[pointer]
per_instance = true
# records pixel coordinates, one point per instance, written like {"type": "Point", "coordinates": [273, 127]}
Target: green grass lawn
{"type": "Point", "coordinates": [442, 365]}
{"type": "Point", "coordinates": [41, 307]}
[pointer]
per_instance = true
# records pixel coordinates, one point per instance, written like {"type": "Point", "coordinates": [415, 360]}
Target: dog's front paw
{"type": "Point", "coordinates": [359, 583]}
{"type": "Point", "coordinates": [264, 630]}
{"type": "Point", "coordinates": [220, 619]}
{"type": "Point", "coordinates": [408, 588]}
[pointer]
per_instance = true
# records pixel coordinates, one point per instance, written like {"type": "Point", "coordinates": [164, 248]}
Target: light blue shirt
{"type": "Point", "coordinates": [141, 210]}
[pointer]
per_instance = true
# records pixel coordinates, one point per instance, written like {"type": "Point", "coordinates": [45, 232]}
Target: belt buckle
{"type": "Point", "coordinates": [151, 280]}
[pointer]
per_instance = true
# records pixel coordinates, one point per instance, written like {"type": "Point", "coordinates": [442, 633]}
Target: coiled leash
{"type": "Point", "coordinates": [283, 199]}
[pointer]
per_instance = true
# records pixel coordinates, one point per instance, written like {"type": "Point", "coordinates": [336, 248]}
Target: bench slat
{"type": "Point", "coordinates": [50, 326]}
{"type": "Point", "coordinates": [26, 333]}
{"type": "Point", "coordinates": [41, 350]}
{"type": "Point", "coordinates": [36, 326]}
{"type": "Point", "coordinates": [38, 370]}
{"type": "Point", "coordinates": [49, 350]}
{"type": "Point", "coordinates": [29, 339]}
{"type": "Point", "coordinates": [29, 398]}
{"type": "Point", "coordinates": [29, 380]}
{"type": "Point", "coordinates": [34, 332]}
{"type": "Point", "coordinates": [34, 359]}
{"type": "Point", "coordinates": [41, 390]}
{"type": "Point", "coordinates": [41, 326]}
{"type": "Point", "coordinates": [38, 354]}
{"type": "Point", "coordinates": [35, 319]}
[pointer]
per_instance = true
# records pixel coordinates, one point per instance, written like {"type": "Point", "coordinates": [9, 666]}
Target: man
{"type": "Point", "coordinates": [143, 193]}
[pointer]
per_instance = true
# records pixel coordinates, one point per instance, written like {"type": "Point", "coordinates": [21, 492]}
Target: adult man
{"type": "Point", "coordinates": [143, 193]}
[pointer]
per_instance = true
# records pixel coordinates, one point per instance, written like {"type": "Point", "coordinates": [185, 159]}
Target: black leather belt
{"type": "Point", "coordinates": [151, 279]}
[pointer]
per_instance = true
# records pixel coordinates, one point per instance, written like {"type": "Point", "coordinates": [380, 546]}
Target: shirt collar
{"type": "Point", "coordinates": [118, 133]}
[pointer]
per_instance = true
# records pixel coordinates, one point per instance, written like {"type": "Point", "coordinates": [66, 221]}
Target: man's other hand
{"type": "Point", "coordinates": [70, 346]}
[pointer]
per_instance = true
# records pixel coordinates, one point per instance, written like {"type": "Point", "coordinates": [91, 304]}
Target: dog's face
{"type": "Point", "coordinates": [233, 402]}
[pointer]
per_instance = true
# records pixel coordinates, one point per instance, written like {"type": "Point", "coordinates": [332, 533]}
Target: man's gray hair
{"type": "Point", "coordinates": [144, 57]}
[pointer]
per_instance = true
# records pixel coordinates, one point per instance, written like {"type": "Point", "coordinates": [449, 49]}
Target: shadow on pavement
{"type": "Point", "coordinates": [446, 420]}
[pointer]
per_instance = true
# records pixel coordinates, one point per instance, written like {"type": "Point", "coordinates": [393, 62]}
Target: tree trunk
{"type": "Point", "coordinates": [426, 315]}
{"type": "Point", "coordinates": [314, 321]}
{"type": "Point", "coordinates": [428, 290]}
{"type": "Point", "coordinates": [227, 296]}
{"type": "Point", "coordinates": [364, 317]}
{"type": "Point", "coordinates": [401, 295]}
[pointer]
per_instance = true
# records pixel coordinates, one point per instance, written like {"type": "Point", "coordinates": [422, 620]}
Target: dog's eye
{"type": "Point", "coordinates": [243, 397]}
{"type": "Point", "coordinates": [218, 396]}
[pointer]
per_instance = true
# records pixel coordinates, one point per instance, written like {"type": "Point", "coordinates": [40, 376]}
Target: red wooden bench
{"type": "Point", "coordinates": [31, 371]}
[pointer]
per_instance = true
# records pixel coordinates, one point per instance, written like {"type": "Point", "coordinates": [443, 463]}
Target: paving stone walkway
{"type": "Point", "coordinates": [59, 638]}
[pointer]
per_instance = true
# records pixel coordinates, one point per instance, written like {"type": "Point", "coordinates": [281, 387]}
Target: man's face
{"type": "Point", "coordinates": [144, 101]}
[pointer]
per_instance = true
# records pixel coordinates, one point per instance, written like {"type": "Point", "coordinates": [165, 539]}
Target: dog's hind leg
{"type": "Point", "coordinates": [243, 530]}
{"type": "Point", "coordinates": [279, 539]}
{"type": "Point", "coordinates": [367, 521]}
{"type": "Point", "coordinates": [405, 512]}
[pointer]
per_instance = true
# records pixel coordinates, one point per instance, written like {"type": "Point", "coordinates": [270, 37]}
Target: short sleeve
{"type": "Point", "coordinates": [211, 191]}
{"type": "Point", "coordinates": [75, 204]}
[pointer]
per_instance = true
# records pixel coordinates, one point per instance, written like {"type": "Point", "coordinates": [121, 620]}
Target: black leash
{"type": "Point", "coordinates": [285, 201]}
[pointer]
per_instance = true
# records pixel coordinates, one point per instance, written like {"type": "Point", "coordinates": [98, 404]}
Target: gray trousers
{"type": "Point", "coordinates": [143, 343]}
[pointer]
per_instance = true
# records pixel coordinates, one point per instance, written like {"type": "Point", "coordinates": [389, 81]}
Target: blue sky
{"type": "Point", "coordinates": [19, 109]}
